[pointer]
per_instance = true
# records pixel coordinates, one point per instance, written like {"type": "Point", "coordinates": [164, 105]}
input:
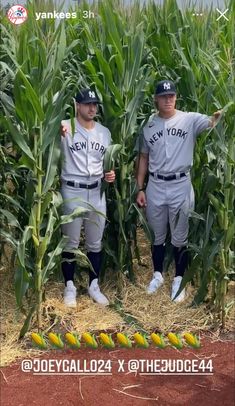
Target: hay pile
{"type": "Point", "coordinates": [137, 311]}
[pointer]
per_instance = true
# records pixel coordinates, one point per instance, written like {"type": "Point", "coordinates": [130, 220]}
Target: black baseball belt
{"type": "Point", "coordinates": [82, 185]}
{"type": "Point", "coordinates": [170, 177]}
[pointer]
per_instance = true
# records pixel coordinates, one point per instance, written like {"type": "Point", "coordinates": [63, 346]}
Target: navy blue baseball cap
{"type": "Point", "coordinates": [165, 87]}
{"type": "Point", "coordinates": [86, 96]}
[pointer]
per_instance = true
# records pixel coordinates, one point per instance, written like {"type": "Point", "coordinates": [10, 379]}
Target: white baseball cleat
{"type": "Point", "coordinates": [175, 287]}
{"type": "Point", "coordinates": [95, 293]}
{"type": "Point", "coordinates": [155, 283]}
{"type": "Point", "coordinates": [70, 295]}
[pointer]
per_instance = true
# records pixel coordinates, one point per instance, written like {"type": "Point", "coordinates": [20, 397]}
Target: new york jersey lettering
{"type": "Point", "coordinates": [155, 137]}
{"type": "Point", "coordinates": [177, 132]}
{"type": "Point", "coordinates": [80, 145]}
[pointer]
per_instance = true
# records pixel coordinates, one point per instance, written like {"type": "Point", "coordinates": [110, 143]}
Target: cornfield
{"type": "Point", "coordinates": [123, 51]}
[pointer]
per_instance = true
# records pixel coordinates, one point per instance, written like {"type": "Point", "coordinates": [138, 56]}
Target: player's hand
{"type": "Point", "coordinates": [215, 117]}
{"type": "Point", "coordinates": [63, 130]}
{"type": "Point", "coordinates": [141, 199]}
{"type": "Point", "coordinates": [109, 176]}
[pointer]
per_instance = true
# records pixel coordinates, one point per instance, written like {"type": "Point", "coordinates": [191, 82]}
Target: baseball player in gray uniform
{"type": "Point", "coordinates": [81, 177]}
{"type": "Point", "coordinates": [166, 152]}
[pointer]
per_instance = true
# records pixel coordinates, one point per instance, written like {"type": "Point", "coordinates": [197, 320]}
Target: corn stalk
{"type": "Point", "coordinates": [33, 111]}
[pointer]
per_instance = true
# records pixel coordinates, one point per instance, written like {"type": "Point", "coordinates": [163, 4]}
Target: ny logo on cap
{"type": "Point", "coordinates": [167, 86]}
{"type": "Point", "coordinates": [92, 94]}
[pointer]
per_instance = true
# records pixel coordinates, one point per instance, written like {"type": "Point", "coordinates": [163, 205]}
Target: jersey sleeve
{"type": "Point", "coordinates": [110, 141]}
{"type": "Point", "coordinates": [200, 123]}
{"type": "Point", "coordinates": [141, 144]}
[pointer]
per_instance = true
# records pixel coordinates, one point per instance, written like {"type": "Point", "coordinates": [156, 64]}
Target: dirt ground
{"type": "Point", "coordinates": [123, 387]}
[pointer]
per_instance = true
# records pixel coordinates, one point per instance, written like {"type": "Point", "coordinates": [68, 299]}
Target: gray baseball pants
{"type": "Point", "coordinates": [93, 223]}
{"type": "Point", "coordinates": [169, 202]}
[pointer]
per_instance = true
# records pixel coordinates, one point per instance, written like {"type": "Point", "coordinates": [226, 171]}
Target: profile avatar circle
{"type": "Point", "coordinates": [17, 14]}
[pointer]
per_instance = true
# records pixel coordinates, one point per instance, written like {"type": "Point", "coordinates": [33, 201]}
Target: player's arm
{"type": "Point", "coordinates": [215, 117]}
{"type": "Point", "coordinates": [109, 176]}
{"type": "Point", "coordinates": [63, 130]}
{"type": "Point", "coordinates": [141, 171]}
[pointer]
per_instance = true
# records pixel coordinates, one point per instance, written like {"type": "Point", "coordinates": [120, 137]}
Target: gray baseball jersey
{"type": "Point", "coordinates": [170, 142]}
{"type": "Point", "coordinates": [83, 153]}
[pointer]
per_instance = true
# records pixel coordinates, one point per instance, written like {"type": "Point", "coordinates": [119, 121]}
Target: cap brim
{"type": "Point", "coordinates": [162, 93]}
{"type": "Point", "coordinates": [90, 101]}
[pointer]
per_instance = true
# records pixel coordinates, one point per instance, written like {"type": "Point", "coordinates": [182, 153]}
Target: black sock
{"type": "Point", "coordinates": [95, 258]}
{"type": "Point", "coordinates": [158, 254]}
{"type": "Point", "coordinates": [68, 268]}
{"type": "Point", "coordinates": [181, 260]}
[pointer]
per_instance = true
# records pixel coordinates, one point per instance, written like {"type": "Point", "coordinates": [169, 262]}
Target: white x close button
{"type": "Point", "coordinates": [222, 14]}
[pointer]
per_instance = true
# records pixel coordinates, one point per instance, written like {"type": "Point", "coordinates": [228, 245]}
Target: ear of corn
{"type": "Point", "coordinates": [72, 340]}
{"type": "Point", "coordinates": [90, 340]}
{"type": "Point", "coordinates": [192, 340]}
{"type": "Point", "coordinates": [39, 340]}
{"type": "Point", "coordinates": [123, 340]}
{"type": "Point", "coordinates": [141, 340]}
{"type": "Point", "coordinates": [106, 340]}
{"type": "Point", "coordinates": [175, 340]}
{"type": "Point", "coordinates": [158, 340]}
{"type": "Point", "coordinates": [56, 340]}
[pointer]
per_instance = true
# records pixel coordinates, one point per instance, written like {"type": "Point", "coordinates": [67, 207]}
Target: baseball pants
{"type": "Point", "coordinates": [169, 202]}
{"type": "Point", "coordinates": [93, 223]}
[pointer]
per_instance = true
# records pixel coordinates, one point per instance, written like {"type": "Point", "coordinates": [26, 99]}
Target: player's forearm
{"type": "Point", "coordinates": [141, 169]}
{"type": "Point", "coordinates": [215, 118]}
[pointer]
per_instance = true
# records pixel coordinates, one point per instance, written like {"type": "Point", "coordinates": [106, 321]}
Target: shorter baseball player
{"type": "Point", "coordinates": [81, 177]}
{"type": "Point", "coordinates": [166, 152]}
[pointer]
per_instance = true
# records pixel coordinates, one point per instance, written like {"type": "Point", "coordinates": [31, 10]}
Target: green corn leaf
{"type": "Point", "coordinates": [32, 96]}
{"type": "Point", "coordinates": [27, 322]}
{"type": "Point", "coordinates": [52, 164]}
{"type": "Point", "coordinates": [229, 236]}
{"type": "Point", "coordinates": [147, 229]}
{"type": "Point", "coordinates": [21, 283]}
{"type": "Point", "coordinates": [18, 138]}
{"type": "Point", "coordinates": [110, 156]}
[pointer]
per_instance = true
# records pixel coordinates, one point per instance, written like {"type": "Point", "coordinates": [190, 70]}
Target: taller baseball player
{"type": "Point", "coordinates": [166, 152]}
{"type": "Point", "coordinates": [81, 177]}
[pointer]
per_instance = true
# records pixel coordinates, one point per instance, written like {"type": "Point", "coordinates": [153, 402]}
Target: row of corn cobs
{"type": "Point", "coordinates": [105, 340]}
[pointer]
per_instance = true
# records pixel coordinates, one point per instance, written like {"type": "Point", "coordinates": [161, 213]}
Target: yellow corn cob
{"type": "Point", "coordinates": [192, 340]}
{"type": "Point", "coordinates": [106, 340]}
{"type": "Point", "coordinates": [38, 340]}
{"type": "Point", "coordinates": [35, 240]}
{"type": "Point", "coordinates": [175, 340]}
{"type": "Point", "coordinates": [72, 340]}
{"type": "Point", "coordinates": [89, 340]}
{"type": "Point", "coordinates": [56, 340]}
{"type": "Point", "coordinates": [158, 340]}
{"type": "Point", "coordinates": [141, 340]}
{"type": "Point", "coordinates": [123, 340]}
